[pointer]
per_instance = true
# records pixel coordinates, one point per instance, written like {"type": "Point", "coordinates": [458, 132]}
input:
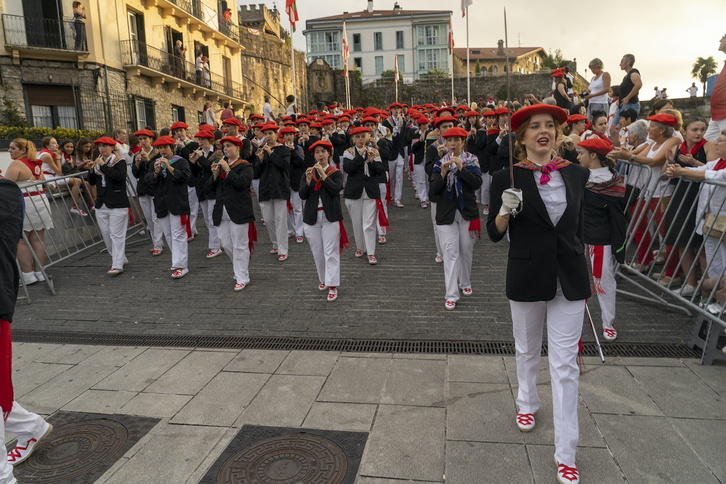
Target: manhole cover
{"type": "Point", "coordinates": [82, 447]}
{"type": "Point", "coordinates": [274, 455]}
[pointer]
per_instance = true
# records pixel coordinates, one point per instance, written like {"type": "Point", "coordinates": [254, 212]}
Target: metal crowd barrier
{"type": "Point", "coordinates": [657, 268]}
{"type": "Point", "coordinates": [70, 233]}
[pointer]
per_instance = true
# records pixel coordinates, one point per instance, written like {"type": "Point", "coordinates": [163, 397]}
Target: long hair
{"type": "Point", "coordinates": [30, 151]}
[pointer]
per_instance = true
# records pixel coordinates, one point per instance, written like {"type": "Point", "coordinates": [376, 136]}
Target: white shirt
{"type": "Point", "coordinates": [600, 175]}
{"type": "Point", "coordinates": [267, 112]}
{"type": "Point", "coordinates": [553, 194]}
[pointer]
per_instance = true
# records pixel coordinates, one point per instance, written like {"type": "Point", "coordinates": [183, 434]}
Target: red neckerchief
{"type": "Point", "coordinates": [493, 131]}
{"type": "Point", "coordinates": [557, 163]}
{"type": "Point", "coordinates": [329, 170]}
{"type": "Point", "coordinates": [602, 136]}
{"type": "Point", "coordinates": [720, 165]}
{"type": "Point", "coordinates": [33, 166]}
{"type": "Point", "coordinates": [238, 161]}
{"type": "Point", "coordinates": [695, 149]}
{"type": "Point", "coordinates": [135, 149]}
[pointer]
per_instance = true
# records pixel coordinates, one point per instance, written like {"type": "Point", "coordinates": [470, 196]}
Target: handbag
{"type": "Point", "coordinates": [714, 225]}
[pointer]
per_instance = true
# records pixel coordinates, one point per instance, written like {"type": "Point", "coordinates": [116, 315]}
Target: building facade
{"type": "Point", "coordinates": [492, 60]}
{"type": "Point", "coordinates": [128, 63]}
{"type": "Point", "coordinates": [416, 39]}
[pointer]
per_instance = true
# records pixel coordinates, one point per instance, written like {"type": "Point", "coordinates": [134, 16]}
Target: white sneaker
{"type": "Point", "coordinates": [39, 276]}
{"type": "Point", "coordinates": [22, 450]}
{"type": "Point", "coordinates": [686, 290]}
{"type": "Point", "coordinates": [29, 278]}
{"type": "Point", "coordinates": [714, 308]}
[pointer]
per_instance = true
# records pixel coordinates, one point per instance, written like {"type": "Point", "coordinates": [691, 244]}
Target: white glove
{"type": "Point", "coordinates": [511, 202]}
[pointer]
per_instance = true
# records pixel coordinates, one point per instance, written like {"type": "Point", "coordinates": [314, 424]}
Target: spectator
{"type": "Point", "coordinates": [663, 93]}
{"type": "Point", "coordinates": [227, 112]}
{"type": "Point", "coordinates": [210, 116]}
{"type": "Point", "coordinates": [629, 88]}
{"type": "Point", "coordinates": [206, 73]}
{"type": "Point", "coordinates": [179, 52]}
{"type": "Point", "coordinates": [692, 91]}
{"type": "Point", "coordinates": [198, 68]}
{"type": "Point", "coordinates": [658, 94]}
{"type": "Point", "coordinates": [597, 96]}
{"type": "Point", "coordinates": [718, 102]}
{"type": "Point", "coordinates": [291, 109]}
{"type": "Point", "coordinates": [79, 26]}
{"type": "Point", "coordinates": [267, 110]}
{"type": "Point", "coordinates": [52, 159]}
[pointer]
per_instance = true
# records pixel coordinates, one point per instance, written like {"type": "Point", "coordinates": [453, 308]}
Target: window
{"type": "Point", "coordinates": [358, 63]}
{"type": "Point", "coordinates": [324, 42]}
{"type": "Point", "coordinates": [399, 39]}
{"type": "Point", "coordinates": [52, 106]}
{"type": "Point", "coordinates": [377, 40]}
{"type": "Point", "coordinates": [401, 63]}
{"type": "Point", "coordinates": [431, 34]}
{"type": "Point", "coordinates": [177, 113]}
{"type": "Point", "coordinates": [335, 61]}
{"type": "Point", "coordinates": [379, 65]}
{"type": "Point", "coordinates": [143, 112]}
{"type": "Point", "coordinates": [433, 59]}
{"type": "Point", "coordinates": [356, 43]}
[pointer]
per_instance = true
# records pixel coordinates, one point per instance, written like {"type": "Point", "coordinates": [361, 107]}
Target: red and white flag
{"type": "Point", "coordinates": [451, 38]}
{"type": "Point", "coordinates": [291, 9]}
{"type": "Point", "coordinates": [464, 5]}
{"type": "Point", "coordinates": [346, 52]}
{"type": "Point", "coordinates": [395, 68]}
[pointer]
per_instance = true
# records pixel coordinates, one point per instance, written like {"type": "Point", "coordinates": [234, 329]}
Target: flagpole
{"type": "Point", "coordinates": [468, 69]}
{"type": "Point", "coordinates": [294, 76]}
{"type": "Point", "coordinates": [452, 76]}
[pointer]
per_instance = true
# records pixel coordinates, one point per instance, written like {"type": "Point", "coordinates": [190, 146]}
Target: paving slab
{"type": "Point", "coordinates": [114, 355]}
{"type": "Point", "coordinates": [594, 465]}
{"type": "Point", "coordinates": [29, 377]}
{"type": "Point", "coordinates": [341, 416]}
{"type": "Point", "coordinates": [30, 352]}
{"type": "Point", "coordinates": [378, 480]}
{"type": "Point", "coordinates": [469, 462]}
{"type": "Point", "coordinates": [680, 393]}
{"type": "Point", "coordinates": [222, 400]}
{"type": "Point", "coordinates": [211, 458]}
{"type": "Point", "coordinates": [69, 354]}
{"type": "Point", "coordinates": [284, 401]}
{"type": "Point", "coordinates": [257, 361]}
{"type": "Point", "coordinates": [477, 369]}
{"type": "Point", "coordinates": [192, 373]}
{"type": "Point", "coordinates": [356, 380]}
{"type": "Point", "coordinates": [99, 401]}
{"type": "Point", "coordinates": [649, 450]}
{"type": "Point", "coordinates": [415, 382]}
{"type": "Point", "coordinates": [143, 370]}
{"type": "Point", "coordinates": [159, 405]}
{"type": "Point", "coordinates": [714, 375]}
{"type": "Point", "coordinates": [612, 389]}
{"type": "Point", "coordinates": [314, 363]}
{"type": "Point", "coordinates": [706, 438]}
{"type": "Point", "coordinates": [481, 412]}
{"type": "Point", "coordinates": [406, 443]}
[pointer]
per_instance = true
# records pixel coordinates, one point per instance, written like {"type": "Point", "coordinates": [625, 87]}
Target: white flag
{"type": "Point", "coordinates": [464, 5]}
{"type": "Point", "coordinates": [210, 17]}
{"type": "Point", "coordinates": [346, 52]}
{"type": "Point", "coordinates": [395, 68]}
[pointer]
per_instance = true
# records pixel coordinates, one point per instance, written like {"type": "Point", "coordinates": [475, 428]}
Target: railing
{"type": "Point", "coordinates": [192, 7]}
{"type": "Point", "coordinates": [45, 33]}
{"type": "Point", "coordinates": [135, 53]}
{"type": "Point", "coordinates": [230, 30]}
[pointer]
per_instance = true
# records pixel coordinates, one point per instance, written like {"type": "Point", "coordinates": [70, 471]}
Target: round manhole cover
{"type": "Point", "coordinates": [288, 459]}
{"type": "Point", "coordinates": [75, 449]}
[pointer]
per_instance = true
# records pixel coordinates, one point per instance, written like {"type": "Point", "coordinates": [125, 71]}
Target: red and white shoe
{"type": "Point", "coordinates": [282, 257]}
{"type": "Point", "coordinates": [372, 260]}
{"type": "Point", "coordinates": [238, 287]}
{"type": "Point", "coordinates": [609, 334]}
{"type": "Point", "coordinates": [525, 422]}
{"type": "Point", "coordinates": [23, 449]}
{"type": "Point", "coordinates": [156, 252]}
{"type": "Point", "coordinates": [273, 250]}
{"type": "Point", "coordinates": [179, 273]}
{"type": "Point", "coordinates": [450, 305]}
{"type": "Point", "coordinates": [332, 294]}
{"type": "Point", "coordinates": [113, 271]}
{"type": "Point", "coordinates": [322, 286]}
{"type": "Point", "coordinates": [299, 239]}
{"type": "Point", "coordinates": [439, 259]}
{"type": "Point", "coordinates": [359, 253]}
{"type": "Point", "coordinates": [567, 475]}
{"type": "Point", "coordinates": [78, 211]}
{"type": "Point", "coordinates": [382, 239]}
{"type": "Point", "coordinates": [467, 291]}
{"type": "Point", "coordinates": [213, 253]}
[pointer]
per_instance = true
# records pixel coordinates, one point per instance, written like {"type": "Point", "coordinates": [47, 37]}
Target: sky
{"type": "Point", "coordinates": [666, 36]}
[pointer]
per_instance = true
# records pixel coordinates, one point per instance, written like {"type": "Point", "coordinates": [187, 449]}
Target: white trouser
{"type": "Point", "coordinates": [193, 209]}
{"type": "Point", "coordinates": [112, 222]}
{"type": "Point", "coordinates": [207, 209]}
{"type": "Point", "coordinates": [384, 193]}
{"type": "Point", "coordinates": [714, 129]}
{"type": "Point", "coordinates": [601, 258]}
{"type": "Point", "coordinates": [235, 241]}
{"type": "Point", "coordinates": [457, 249]}
{"type": "Point", "coordinates": [157, 235]}
{"type": "Point", "coordinates": [25, 426]}
{"type": "Point", "coordinates": [256, 188]}
{"type": "Point", "coordinates": [363, 216]}
{"type": "Point", "coordinates": [715, 256]}
{"type": "Point", "coordinates": [294, 219]}
{"type": "Point", "coordinates": [176, 238]}
{"type": "Point", "coordinates": [324, 240]}
{"type": "Point", "coordinates": [482, 194]}
{"type": "Point", "coordinates": [564, 328]}
{"type": "Point", "coordinates": [275, 214]}
{"type": "Point", "coordinates": [437, 239]}
{"type": "Point", "coordinates": [395, 171]}
{"type": "Point", "coordinates": [421, 182]}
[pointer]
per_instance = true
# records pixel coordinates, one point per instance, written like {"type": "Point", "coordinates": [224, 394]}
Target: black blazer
{"type": "Point", "coordinates": [539, 252]}
{"type": "Point", "coordinates": [140, 171]}
{"type": "Point", "coordinates": [329, 193]}
{"type": "Point", "coordinates": [11, 231]}
{"type": "Point", "coordinates": [445, 208]}
{"type": "Point", "coordinates": [202, 172]}
{"type": "Point", "coordinates": [354, 166]}
{"type": "Point", "coordinates": [233, 193]}
{"type": "Point", "coordinates": [170, 191]}
{"type": "Point", "coordinates": [113, 195]}
{"type": "Point", "coordinates": [274, 170]}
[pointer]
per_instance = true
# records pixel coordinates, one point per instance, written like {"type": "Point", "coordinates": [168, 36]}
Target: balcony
{"type": "Point", "coordinates": [45, 38]}
{"type": "Point", "coordinates": [141, 58]}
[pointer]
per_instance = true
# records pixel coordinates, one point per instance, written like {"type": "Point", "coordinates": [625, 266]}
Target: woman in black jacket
{"type": "Point", "coordinates": [108, 175]}
{"type": "Point", "coordinates": [547, 276]}
{"type": "Point", "coordinates": [232, 213]}
{"type": "Point", "coordinates": [323, 216]}
{"type": "Point", "coordinates": [200, 163]}
{"type": "Point", "coordinates": [142, 161]}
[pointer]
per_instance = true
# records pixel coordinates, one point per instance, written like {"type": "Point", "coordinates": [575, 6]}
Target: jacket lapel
{"type": "Point", "coordinates": [526, 181]}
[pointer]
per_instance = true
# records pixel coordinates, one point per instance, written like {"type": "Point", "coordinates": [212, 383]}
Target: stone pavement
{"type": "Point", "coordinates": [430, 418]}
{"type": "Point", "coordinates": [401, 298]}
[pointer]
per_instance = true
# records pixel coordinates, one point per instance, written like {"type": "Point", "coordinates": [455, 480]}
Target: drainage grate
{"type": "Point", "coordinates": [648, 350]}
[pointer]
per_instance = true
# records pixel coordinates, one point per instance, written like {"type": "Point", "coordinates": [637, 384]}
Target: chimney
{"type": "Point", "coordinates": [397, 8]}
{"type": "Point", "coordinates": [370, 6]}
{"type": "Point", "coordinates": [500, 48]}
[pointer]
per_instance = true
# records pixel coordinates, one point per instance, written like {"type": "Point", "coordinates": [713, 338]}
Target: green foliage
{"type": "Point", "coordinates": [477, 67]}
{"type": "Point", "coordinates": [703, 68]}
{"type": "Point", "coordinates": [387, 74]}
{"type": "Point", "coordinates": [12, 132]}
{"type": "Point", "coordinates": [433, 73]}
{"type": "Point", "coordinates": [10, 113]}
{"type": "Point", "coordinates": [555, 61]}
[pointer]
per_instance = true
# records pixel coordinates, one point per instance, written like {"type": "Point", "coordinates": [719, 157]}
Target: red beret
{"type": "Point", "coordinates": [316, 125]}
{"type": "Point", "coordinates": [395, 105]}
{"type": "Point", "coordinates": [332, 106]}
{"type": "Point", "coordinates": [371, 112]}
{"type": "Point", "coordinates": [444, 110]}
{"type": "Point", "coordinates": [233, 121]}
{"type": "Point", "coordinates": [165, 141]}
{"type": "Point", "coordinates": [471, 113]}
{"type": "Point", "coordinates": [269, 127]}
{"type": "Point", "coordinates": [324, 143]}
{"type": "Point", "coordinates": [313, 112]}
{"type": "Point", "coordinates": [289, 123]}
{"type": "Point", "coordinates": [257, 116]}
{"type": "Point", "coordinates": [369, 119]}
{"type": "Point", "coordinates": [106, 140]}
{"type": "Point", "coordinates": [326, 121]}
{"type": "Point", "coordinates": [521, 115]}
{"type": "Point", "coordinates": [488, 113]}
{"type": "Point", "coordinates": [204, 134]}
{"type": "Point", "coordinates": [302, 121]}
{"type": "Point", "coordinates": [343, 118]}
{"type": "Point", "coordinates": [232, 139]}
{"type": "Point", "coordinates": [258, 125]}
{"type": "Point", "coordinates": [287, 118]}
{"type": "Point", "coordinates": [462, 107]}
{"type": "Point", "coordinates": [597, 145]}
{"type": "Point", "coordinates": [455, 132]}
{"type": "Point", "coordinates": [423, 120]}
{"type": "Point", "coordinates": [288, 130]}
{"type": "Point", "coordinates": [144, 132]}
{"type": "Point", "coordinates": [576, 118]}
{"type": "Point", "coordinates": [500, 111]}
{"type": "Point", "coordinates": [444, 119]}
{"type": "Point", "coordinates": [179, 125]}
{"type": "Point", "coordinates": [359, 129]}
{"type": "Point", "coordinates": [663, 118]}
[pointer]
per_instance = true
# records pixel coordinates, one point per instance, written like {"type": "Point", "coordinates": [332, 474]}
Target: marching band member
{"type": "Point", "coordinates": [323, 216]}
{"type": "Point", "coordinates": [142, 162]}
{"type": "Point", "coordinates": [547, 276]}
{"type": "Point", "coordinates": [169, 176]}
{"type": "Point", "coordinates": [396, 125]}
{"type": "Point", "coordinates": [108, 174]}
{"type": "Point", "coordinates": [297, 170]}
{"type": "Point", "coordinates": [418, 149]}
{"type": "Point", "coordinates": [455, 179]}
{"type": "Point", "coordinates": [274, 171]}
{"type": "Point", "coordinates": [232, 213]}
{"type": "Point", "coordinates": [200, 163]}
{"type": "Point", "coordinates": [362, 194]}
{"type": "Point", "coordinates": [184, 146]}
{"type": "Point", "coordinates": [384, 146]}
{"type": "Point", "coordinates": [434, 151]}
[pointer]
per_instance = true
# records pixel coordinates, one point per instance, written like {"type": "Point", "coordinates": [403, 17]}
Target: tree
{"type": "Point", "coordinates": [554, 61]}
{"type": "Point", "coordinates": [703, 68]}
{"type": "Point", "coordinates": [388, 74]}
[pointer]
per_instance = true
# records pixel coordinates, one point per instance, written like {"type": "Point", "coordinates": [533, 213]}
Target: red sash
{"type": "Point", "coordinates": [695, 149]}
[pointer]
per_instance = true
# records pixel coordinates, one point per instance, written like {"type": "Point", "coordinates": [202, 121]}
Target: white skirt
{"type": "Point", "coordinates": [37, 213]}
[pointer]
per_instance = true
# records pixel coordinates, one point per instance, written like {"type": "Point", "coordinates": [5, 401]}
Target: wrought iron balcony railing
{"type": "Point", "coordinates": [43, 33]}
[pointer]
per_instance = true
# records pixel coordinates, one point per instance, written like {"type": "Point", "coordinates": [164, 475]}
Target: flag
{"type": "Point", "coordinates": [464, 5]}
{"type": "Point", "coordinates": [210, 17]}
{"type": "Point", "coordinates": [291, 9]}
{"type": "Point", "coordinates": [346, 52]}
{"type": "Point", "coordinates": [451, 38]}
{"type": "Point", "coordinates": [253, 31]}
{"type": "Point", "coordinates": [395, 68]}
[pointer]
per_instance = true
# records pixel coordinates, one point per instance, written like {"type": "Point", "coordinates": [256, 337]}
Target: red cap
{"type": "Point", "coordinates": [576, 118]}
{"type": "Point", "coordinates": [312, 112]}
{"type": "Point", "coordinates": [501, 110]}
{"type": "Point", "coordinates": [316, 125]}
{"type": "Point", "coordinates": [324, 143]}
{"type": "Point", "coordinates": [289, 123]}
{"type": "Point", "coordinates": [559, 72]}
{"type": "Point", "coordinates": [106, 140]}
{"type": "Point", "coordinates": [179, 125]}
{"type": "Point", "coordinates": [369, 119]}
{"type": "Point", "coordinates": [471, 113]}
{"type": "Point", "coordinates": [359, 129]}
{"type": "Point", "coordinates": [444, 119]}
{"type": "Point", "coordinates": [332, 106]}
{"type": "Point", "coordinates": [455, 132]}
{"type": "Point", "coordinates": [663, 118]}
{"type": "Point", "coordinates": [395, 105]}
{"type": "Point", "coordinates": [444, 110]}
{"type": "Point", "coordinates": [288, 130]}
{"type": "Point", "coordinates": [521, 115]}
{"type": "Point", "coordinates": [302, 121]}
{"type": "Point", "coordinates": [462, 107]}
{"type": "Point", "coordinates": [343, 118]}
{"type": "Point", "coordinates": [232, 139]}
{"type": "Point", "coordinates": [597, 145]}
{"type": "Point", "coordinates": [233, 121]}
{"type": "Point", "coordinates": [488, 113]}
{"type": "Point", "coordinates": [423, 120]}
{"type": "Point", "coordinates": [371, 112]}
{"type": "Point", "coordinates": [326, 121]}
{"type": "Point", "coordinates": [269, 127]}
{"type": "Point", "coordinates": [257, 116]}
{"type": "Point", "coordinates": [165, 141]}
{"type": "Point", "coordinates": [204, 134]}
{"type": "Point", "coordinates": [144, 132]}
{"type": "Point", "coordinates": [287, 118]}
